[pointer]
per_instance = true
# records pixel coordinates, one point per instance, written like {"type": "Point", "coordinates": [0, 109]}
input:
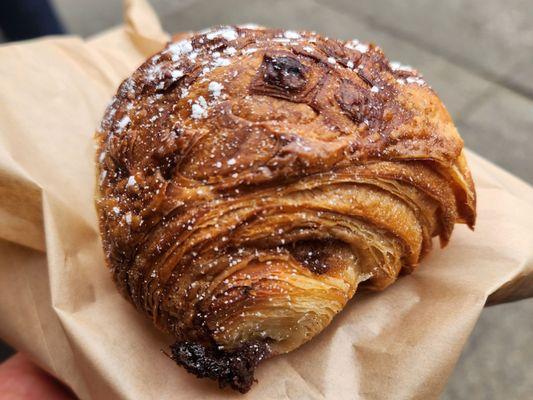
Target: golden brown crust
{"type": "Point", "coordinates": [250, 179]}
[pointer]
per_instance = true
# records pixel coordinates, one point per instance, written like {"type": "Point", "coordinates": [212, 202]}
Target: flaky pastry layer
{"type": "Point", "coordinates": [251, 179]}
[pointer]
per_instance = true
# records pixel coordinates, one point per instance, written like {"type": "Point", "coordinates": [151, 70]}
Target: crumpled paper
{"type": "Point", "coordinates": [58, 302]}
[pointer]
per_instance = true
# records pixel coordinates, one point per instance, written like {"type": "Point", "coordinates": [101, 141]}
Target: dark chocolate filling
{"type": "Point", "coordinates": [234, 368]}
{"type": "Point", "coordinates": [319, 256]}
{"type": "Point", "coordinates": [284, 72]}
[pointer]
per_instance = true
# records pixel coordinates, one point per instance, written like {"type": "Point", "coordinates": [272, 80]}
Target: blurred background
{"type": "Point", "coordinates": [477, 54]}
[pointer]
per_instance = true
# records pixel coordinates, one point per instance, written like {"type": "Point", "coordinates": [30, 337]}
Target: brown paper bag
{"type": "Point", "coordinates": [58, 303]}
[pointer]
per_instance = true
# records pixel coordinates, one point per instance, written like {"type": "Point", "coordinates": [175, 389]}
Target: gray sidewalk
{"type": "Point", "coordinates": [478, 55]}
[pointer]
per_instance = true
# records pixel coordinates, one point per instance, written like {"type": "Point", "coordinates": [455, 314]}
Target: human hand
{"type": "Point", "coordinates": [20, 379]}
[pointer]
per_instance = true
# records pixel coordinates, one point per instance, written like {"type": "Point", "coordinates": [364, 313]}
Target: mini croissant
{"type": "Point", "coordinates": [251, 179]}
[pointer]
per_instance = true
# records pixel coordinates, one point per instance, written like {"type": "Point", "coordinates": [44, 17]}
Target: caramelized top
{"type": "Point", "coordinates": [266, 104]}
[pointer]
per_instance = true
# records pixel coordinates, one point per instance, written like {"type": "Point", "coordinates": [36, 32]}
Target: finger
{"type": "Point", "coordinates": [20, 379]}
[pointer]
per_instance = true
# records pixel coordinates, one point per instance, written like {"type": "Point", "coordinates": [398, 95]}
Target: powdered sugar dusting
{"type": "Point", "coordinates": [153, 73]}
{"type": "Point", "coordinates": [199, 108]}
{"type": "Point", "coordinates": [415, 79]}
{"type": "Point", "coordinates": [215, 88]}
{"type": "Point", "coordinates": [221, 62]}
{"type": "Point", "coordinates": [103, 175]}
{"type": "Point", "coordinates": [230, 51]}
{"type": "Point", "coordinates": [227, 33]}
{"type": "Point", "coordinates": [177, 49]}
{"type": "Point", "coordinates": [396, 66]}
{"type": "Point", "coordinates": [131, 181]}
{"type": "Point", "coordinates": [357, 45]}
{"type": "Point", "coordinates": [281, 40]}
{"type": "Point", "coordinates": [124, 121]}
{"type": "Point", "coordinates": [251, 26]}
{"type": "Point", "coordinates": [362, 48]}
{"type": "Point", "coordinates": [291, 35]}
{"type": "Point", "coordinates": [176, 74]}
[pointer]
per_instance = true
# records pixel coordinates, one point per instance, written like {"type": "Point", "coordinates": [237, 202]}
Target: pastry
{"type": "Point", "coordinates": [250, 180]}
